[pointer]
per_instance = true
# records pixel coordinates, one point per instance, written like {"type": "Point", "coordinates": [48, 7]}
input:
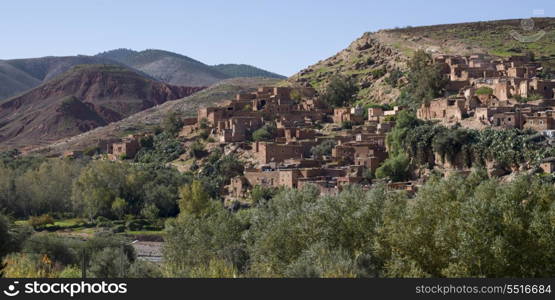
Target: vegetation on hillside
{"type": "Point", "coordinates": [425, 81]}
{"type": "Point", "coordinates": [508, 148]}
{"type": "Point", "coordinates": [493, 37]}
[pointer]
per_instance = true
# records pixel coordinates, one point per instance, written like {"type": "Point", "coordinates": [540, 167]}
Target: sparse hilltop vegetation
{"type": "Point", "coordinates": [378, 60]}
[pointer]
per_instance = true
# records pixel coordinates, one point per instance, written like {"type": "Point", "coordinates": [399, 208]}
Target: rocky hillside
{"type": "Point", "coordinates": [178, 69]}
{"type": "Point", "coordinates": [20, 75]}
{"type": "Point", "coordinates": [146, 120]}
{"type": "Point", "coordinates": [79, 100]}
{"type": "Point", "coordinates": [373, 57]}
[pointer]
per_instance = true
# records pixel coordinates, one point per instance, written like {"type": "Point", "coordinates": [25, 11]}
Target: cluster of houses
{"type": "Point", "coordinates": [288, 158]}
{"type": "Point", "coordinates": [495, 92]}
{"type": "Point", "coordinates": [311, 144]}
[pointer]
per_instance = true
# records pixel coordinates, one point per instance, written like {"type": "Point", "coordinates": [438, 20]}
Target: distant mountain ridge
{"type": "Point", "coordinates": [20, 75]}
{"type": "Point", "coordinates": [178, 69]}
{"type": "Point", "coordinates": [242, 70]}
{"type": "Point", "coordinates": [83, 98]}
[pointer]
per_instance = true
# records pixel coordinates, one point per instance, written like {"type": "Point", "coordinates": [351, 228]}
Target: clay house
{"type": "Point", "coordinates": [452, 109]}
{"type": "Point", "coordinates": [507, 119]}
{"type": "Point", "coordinates": [548, 165]}
{"type": "Point", "coordinates": [348, 114]}
{"type": "Point", "coordinates": [294, 134]}
{"type": "Point", "coordinates": [394, 111]}
{"type": "Point", "coordinates": [127, 148]}
{"type": "Point", "coordinates": [237, 129]}
{"type": "Point", "coordinates": [374, 114]}
{"type": "Point", "coordinates": [267, 152]}
{"type": "Point", "coordinates": [539, 121]}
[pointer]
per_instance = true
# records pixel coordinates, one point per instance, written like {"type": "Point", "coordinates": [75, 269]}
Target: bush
{"type": "Point", "coordinates": [204, 134]}
{"type": "Point", "coordinates": [346, 125]}
{"type": "Point", "coordinates": [172, 123]}
{"type": "Point", "coordinates": [393, 78]}
{"type": "Point", "coordinates": [395, 168]}
{"type": "Point", "coordinates": [111, 262]}
{"type": "Point", "coordinates": [196, 150]}
{"type": "Point", "coordinates": [58, 249]}
{"type": "Point", "coordinates": [40, 221]}
{"type": "Point", "coordinates": [71, 272]}
{"type": "Point", "coordinates": [265, 133]}
{"type": "Point", "coordinates": [118, 229]}
{"type": "Point", "coordinates": [378, 72]}
{"type": "Point", "coordinates": [484, 90]}
{"type": "Point", "coordinates": [323, 149]}
{"type": "Point", "coordinates": [135, 225]}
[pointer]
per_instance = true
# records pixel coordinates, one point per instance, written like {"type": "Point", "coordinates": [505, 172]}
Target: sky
{"type": "Point", "coordinates": [280, 36]}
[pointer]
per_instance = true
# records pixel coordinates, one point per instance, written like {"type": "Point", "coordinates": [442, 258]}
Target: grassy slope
{"type": "Point", "coordinates": [494, 37]}
{"type": "Point", "coordinates": [390, 49]}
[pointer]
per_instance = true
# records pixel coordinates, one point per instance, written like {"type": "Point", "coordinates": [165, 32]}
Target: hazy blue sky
{"type": "Point", "coordinates": [282, 36]}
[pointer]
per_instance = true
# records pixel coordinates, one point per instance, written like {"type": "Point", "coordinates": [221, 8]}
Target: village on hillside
{"type": "Point", "coordinates": [496, 92]}
{"type": "Point", "coordinates": [304, 141]}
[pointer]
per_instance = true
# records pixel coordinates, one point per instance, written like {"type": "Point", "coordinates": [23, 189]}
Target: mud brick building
{"type": "Point", "coordinates": [127, 148]}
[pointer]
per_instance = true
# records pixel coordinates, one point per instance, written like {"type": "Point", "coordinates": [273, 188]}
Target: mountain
{"type": "Point", "coordinates": [83, 98]}
{"type": "Point", "coordinates": [166, 66]}
{"type": "Point", "coordinates": [19, 75]}
{"type": "Point", "coordinates": [242, 70]}
{"type": "Point", "coordinates": [372, 58]}
{"type": "Point", "coordinates": [146, 120]}
{"type": "Point", "coordinates": [178, 69]}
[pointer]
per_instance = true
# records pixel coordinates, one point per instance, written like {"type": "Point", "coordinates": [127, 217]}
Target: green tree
{"type": "Point", "coordinates": [323, 149]}
{"type": "Point", "coordinates": [118, 207]}
{"type": "Point", "coordinates": [194, 242]}
{"type": "Point", "coordinates": [341, 91]}
{"type": "Point", "coordinates": [425, 79]}
{"type": "Point", "coordinates": [4, 242]}
{"type": "Point", "coordinates": [110, 262]}
{"type": "Point", "coordinates": [172, 123]}
{"type": "Point", "coordinates": [395, 168]}
{"type": "Point", "coordinates": [196, 150]}
{"type": "Point", "coordinates": [193, 199]}
{"type": "Point", "coordinates": [265, 133]}
{"type": "Point", "coordinates": [97, 187]}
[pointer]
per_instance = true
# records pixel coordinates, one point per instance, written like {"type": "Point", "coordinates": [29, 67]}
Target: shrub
{"type": "Point", "coordinates": [266, 133]}
{"type": "Point", "coordinates": [40, 221]}
{"type": "Point", "coordinates": [393, 78]}
{"type": "Point", "coordinates": [484, 90]}
{"type": "Point", "coordinates": [395, 168]}
{"type": "Point", "coordinates": [378, 72]}
{"type": "Point", "coordinates": [135, 225]}
{"type": "Point", "coordinates": [118, 229]}
{"type": "Point", "coordinates": [346, 125]}
{"type": "Point", "coordinates": [204, 134]}
{"type": "Point", "coordinates": [71, 272]}
{"type": "Point", "coordinates": [111, 262]}
{"type": "Point", "coordinates": [196, 150]}
{"type": "Point", "coordinates": [323, 149]}
{"type": "Point", "coordinates": [172, 123]}
{"type": "Point", "coordinates": [57, 249]}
